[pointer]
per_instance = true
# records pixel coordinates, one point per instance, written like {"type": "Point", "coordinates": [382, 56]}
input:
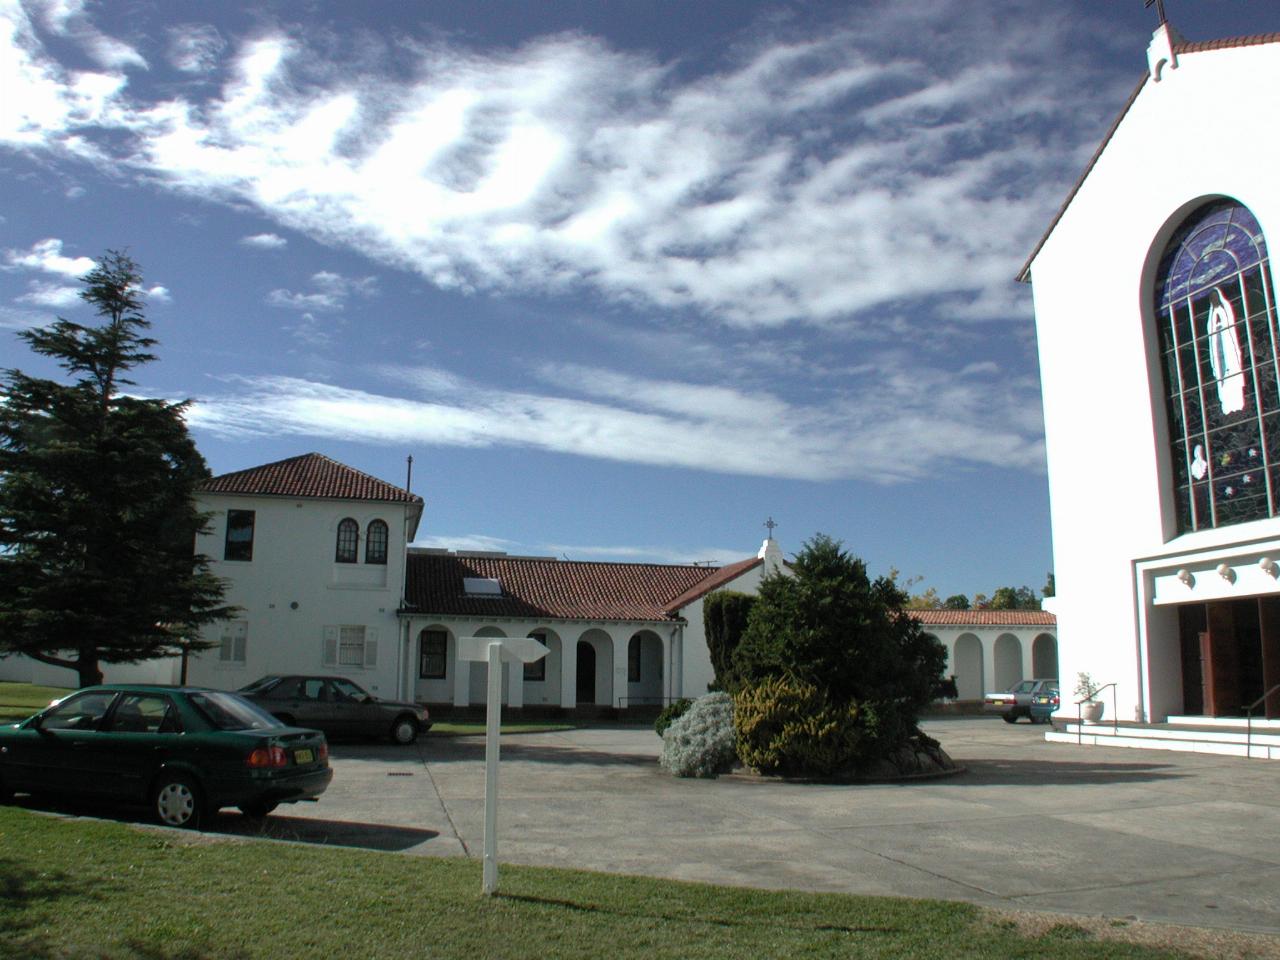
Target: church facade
{"type": "Point", "coordinates": [1160, 365]}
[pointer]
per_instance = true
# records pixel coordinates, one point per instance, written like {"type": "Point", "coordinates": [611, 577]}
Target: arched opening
{"type": "Point", "coordinates": [644, 669]}
{"type": "Point", "coordinates": [1008, 661]}
{"type": "Point", "coordinates": [967, 664]}
{"type": "Point", "coordinates": [542, 678]}
{"type": "Point", "coordinates": [1044, 657]}
{"type": "Point", "coordinates": [586, 672]}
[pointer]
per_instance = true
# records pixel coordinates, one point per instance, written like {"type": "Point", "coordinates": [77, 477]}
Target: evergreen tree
{"type": "Point", "coordinates": [832, 627]}
{"type": "Point", "coordinates": [724, 619]}
{"type": "Point", "coordinates": [97, 520]}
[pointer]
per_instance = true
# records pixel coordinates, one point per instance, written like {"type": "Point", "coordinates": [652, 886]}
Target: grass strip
{"type": "Point", "coordinates": [20, 700]}
{"type": "Point", "coordinates": [75, 889]}
{"type": "Point", "coordinates": [450, 729]}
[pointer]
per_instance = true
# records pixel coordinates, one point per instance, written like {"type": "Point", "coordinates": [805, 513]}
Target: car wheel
{"type": "Point", "coordinates": [1009, 717]}
{"type": "Point", "coordinates": [178, 801]}
{"type": "Point", "coordinates": [286, 719]}
{"type": "Point", "coordinates": [258, 808]}
{"type": "Point", "coordinates": [404, 731]}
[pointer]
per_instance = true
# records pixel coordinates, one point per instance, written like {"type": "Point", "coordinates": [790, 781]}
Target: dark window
{"type": "Point", "coordinates": [82, 712]}
{"type": "Point", "coordinates": [433, 653]}
{"type": "Point", "coordinates": [1216, 313]}
{"type": "Point", "coordinates": [239, 544]}
{"type": "Point", "coordinates": [537, 671]}
{"type": "Point", "coordinates": [375, 542]}
{"type": "Point", "coordinates": [633, 659]}
{"type": "Point", "coordinates": [348, 539]}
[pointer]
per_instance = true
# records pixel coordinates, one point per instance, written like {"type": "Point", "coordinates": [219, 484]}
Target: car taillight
{"type": "Point", "coordinates": [266, 757]}
{"type": "Point", "coordinates": [323, 752]}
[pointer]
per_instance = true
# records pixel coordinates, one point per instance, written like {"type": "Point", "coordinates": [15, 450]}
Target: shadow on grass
{"type": "Point", "coordinates": [711, 921]}
{"type": "Point", "coordinates": [22, 887]}
{"type": "Point", "coordinates": [336, 833]}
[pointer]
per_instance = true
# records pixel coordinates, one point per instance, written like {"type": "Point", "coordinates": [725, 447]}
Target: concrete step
{"type": "Point", "coordinates": [1193, 736]}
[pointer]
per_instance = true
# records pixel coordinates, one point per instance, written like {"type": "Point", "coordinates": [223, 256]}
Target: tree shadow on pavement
{"type": "Point", "coordinates": [1001, 771]}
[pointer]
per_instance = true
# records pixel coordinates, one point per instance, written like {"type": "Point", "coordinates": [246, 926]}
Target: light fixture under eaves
{"type": "Point", "coordinates": [1226, 573]}
{"type": "Point", "coordinates": [1185, 578]}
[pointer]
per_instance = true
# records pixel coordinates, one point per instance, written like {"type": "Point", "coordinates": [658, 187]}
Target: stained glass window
{"type": "Point", "coordinates": [1215, 309]}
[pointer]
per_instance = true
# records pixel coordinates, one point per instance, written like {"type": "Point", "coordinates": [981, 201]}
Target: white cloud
{"type": "Point", "coordinates": [826, 180]}
{"type": "Point", "coordinates": [468, 542]}
{"type": "Point", "coordinates": [159, 294]}
{"type": "Point", "coordinates": [902, 423]}
{"type": "Point", "coordinates": [264, 241]}
{"type": "Point", "coordinates": [53, 295]}
{"type": "Point", "coordinates": [46, 255]}
{"type": "Point", "coordinates": [331, 293]}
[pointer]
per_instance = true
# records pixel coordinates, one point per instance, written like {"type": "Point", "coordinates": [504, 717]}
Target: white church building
{"type": "Point", "coordinates": [1160, 364]}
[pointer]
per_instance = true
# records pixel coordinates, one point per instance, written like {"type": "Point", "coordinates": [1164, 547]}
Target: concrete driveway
{"type": "Point", "coordinates": [1178, 838]}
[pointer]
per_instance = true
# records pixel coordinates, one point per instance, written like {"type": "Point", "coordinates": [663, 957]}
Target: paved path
{"type": "Point", "coordinates": [1178, 838]}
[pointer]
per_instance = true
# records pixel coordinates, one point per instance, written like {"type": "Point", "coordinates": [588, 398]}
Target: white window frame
{"type": "Point", "coordinates": [235, 642]}
{"type": "Point", "coordinates": [350, 646]}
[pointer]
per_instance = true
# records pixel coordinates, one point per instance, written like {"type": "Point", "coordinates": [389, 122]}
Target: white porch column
{"type": "Point", "coordinates": [461, 679]}
{"type": "Point", "coordinates": [988, 642]}
{"type": "Point", "coordinates": [677, 662]}
{"type": "Point", "coordinates": [515, 684]}
{"type": "Point", "coordinates": [620, 643]}
{"type": "Point", "coordinates": [1028, 662]}
{"type": "Point", "coordinates": [568, 671]}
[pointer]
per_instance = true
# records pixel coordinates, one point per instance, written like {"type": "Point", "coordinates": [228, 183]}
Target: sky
{"type": "Point", "coordinates": [626, 278]}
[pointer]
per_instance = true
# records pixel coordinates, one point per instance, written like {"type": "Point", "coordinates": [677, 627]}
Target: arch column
{"type": "Point", "coordinates": [621, 640]}
{"type": "Point", "coordinates": [568, 671]}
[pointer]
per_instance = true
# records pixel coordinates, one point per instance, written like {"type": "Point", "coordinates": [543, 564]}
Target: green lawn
{"type": "Point", "coordinates": [21, 700]}
{"type": "Point", "coordinates": [82, 889]}
{"type": "Point", "coordinates": [468, 729]}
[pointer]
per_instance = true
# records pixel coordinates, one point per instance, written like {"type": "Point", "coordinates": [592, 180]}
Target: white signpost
{"type": "Point", "coordinates": [495, 651]}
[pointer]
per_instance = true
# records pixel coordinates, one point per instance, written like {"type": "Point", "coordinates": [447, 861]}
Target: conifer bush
{"type": "Point", "coordinates": [701, 742]}
{"type": "Point", "coordinates": [670, 713]}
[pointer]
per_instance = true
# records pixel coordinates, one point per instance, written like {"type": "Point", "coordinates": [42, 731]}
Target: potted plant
{"type": "Point", "coordinates": [1087, 690]}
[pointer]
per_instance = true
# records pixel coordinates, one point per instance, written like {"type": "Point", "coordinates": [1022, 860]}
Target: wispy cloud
{"type": "Point", "coordinates": [901, 424]}
{"type": "Point", "coordinates": [194, 48]}
{"type": "Point", "coordinates": [329, 294]}
{"type": "Point", "coordinates": [826, 180]}
{"type": "Point", "coordinates": [264, 241]}
{"type": "Point", "coordinates": [54, 295]}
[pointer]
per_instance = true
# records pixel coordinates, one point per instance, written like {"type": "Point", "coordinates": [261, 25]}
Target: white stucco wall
{"type": "Point", "coordinates": [292, 589]}
{"type": "Point", "coordinates": [1114, 528]}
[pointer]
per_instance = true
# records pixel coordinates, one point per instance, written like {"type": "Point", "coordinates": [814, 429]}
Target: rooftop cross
{"type": "Point", "coordinates": [1159, 5]}
{"type": "Point", "coordinates": [770, 524]}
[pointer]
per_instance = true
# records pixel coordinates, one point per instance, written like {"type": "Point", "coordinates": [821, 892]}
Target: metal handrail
{"type": "Point", "coordinates": [1115, 725]}
{"type": "Point", "coordinates": [1248, 713]}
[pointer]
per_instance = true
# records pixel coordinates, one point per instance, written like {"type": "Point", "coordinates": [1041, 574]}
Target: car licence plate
{"type": "Point", "coordinates": [303, 756]}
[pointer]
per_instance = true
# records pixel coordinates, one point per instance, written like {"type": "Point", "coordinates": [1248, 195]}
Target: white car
{"type": "Point", "coordinates": [1016, 701]}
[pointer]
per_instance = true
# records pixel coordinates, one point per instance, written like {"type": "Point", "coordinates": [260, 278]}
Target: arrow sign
{"type": "Point", "coordinates": [494, 651]}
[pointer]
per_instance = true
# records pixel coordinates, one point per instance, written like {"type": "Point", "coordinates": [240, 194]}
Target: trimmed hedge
{"type": "Point", "coordinates": [789, 727]}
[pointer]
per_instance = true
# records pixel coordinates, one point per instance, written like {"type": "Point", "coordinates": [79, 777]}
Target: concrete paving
{"type": "Point", "coordinates": [1177, 838]}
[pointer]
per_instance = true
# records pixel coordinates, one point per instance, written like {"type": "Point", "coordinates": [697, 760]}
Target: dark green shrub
{"type": "Point", "coordinates": [669, 713]}
{"type": "Point", "coordinates": [790, 727]}
{"type": "Point", "coordinates": [724, 620]}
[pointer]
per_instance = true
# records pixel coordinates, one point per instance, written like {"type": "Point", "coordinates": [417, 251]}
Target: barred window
{"type": "Point", "coordinates": [375, 542]}
{"type": "Point", "coordinates": [348, 539]}
{"type": "Point", "coordinates": [433, 646]}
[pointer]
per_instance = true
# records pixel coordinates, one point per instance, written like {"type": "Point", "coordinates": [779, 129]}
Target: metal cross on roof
{"type": "Point", "coordinates": [1159, 5]}
{"type": "Point", "coordinates": [770, 524]}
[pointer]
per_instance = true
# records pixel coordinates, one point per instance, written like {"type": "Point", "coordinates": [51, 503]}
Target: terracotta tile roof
{"type": "Point", "coordinates": [985, 618]}
{"type": "Point", "coordinates": [1178, 48]}
{"type": "Point", "coordinates": [718, 579]}
{"type": "Point", "coordinates": [310, 475]}
{"type": "Point", "coordinates": [551, 589]}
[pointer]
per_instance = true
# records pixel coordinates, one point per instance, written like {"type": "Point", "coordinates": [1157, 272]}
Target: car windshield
{"type": "Point", "coordinates": [228, 711]}
{"type": "Point", "coordinates": [348, 689]}
{"type": "Point", "coordinates": [261, 685]}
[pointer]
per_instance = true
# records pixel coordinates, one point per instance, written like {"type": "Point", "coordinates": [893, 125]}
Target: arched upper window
{"type": "Point", "coordinates": [375, 542]}
{"type": "Point", "coordinates": [1215, 310]}
{"type": "Point", "coordinates": [348, 538]}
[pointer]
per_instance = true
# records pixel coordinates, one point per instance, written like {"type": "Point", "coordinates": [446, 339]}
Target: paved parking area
{"type": "Point", "coordinates": [1177, 838]}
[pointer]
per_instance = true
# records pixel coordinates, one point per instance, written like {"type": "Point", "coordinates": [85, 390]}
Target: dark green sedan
{"type": "Point", "coordinates": [186, 751]}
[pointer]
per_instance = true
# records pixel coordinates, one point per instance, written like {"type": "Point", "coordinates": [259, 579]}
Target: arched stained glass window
{"type": "Point", "coordinates": [375, 542]}
{"type": "Point", "coordinates": [1215, 309]}
{"type": "Point", "coordinates": [348, 537]}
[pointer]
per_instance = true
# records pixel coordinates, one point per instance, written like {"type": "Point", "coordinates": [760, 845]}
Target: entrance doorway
{"type": "Point", "coordinates": [586, 672]}
{"type": "Point", "coordinates": [1230, 656]}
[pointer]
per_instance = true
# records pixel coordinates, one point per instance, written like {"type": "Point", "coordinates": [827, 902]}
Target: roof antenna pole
{"type": "Point", "coordinates": [1159, 5]}
{"type": "Point", "coordinates": [408, 480]}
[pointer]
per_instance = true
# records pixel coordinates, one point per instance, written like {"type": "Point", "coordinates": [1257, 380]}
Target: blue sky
{"type": "Point", "coordinates": [625, 278]}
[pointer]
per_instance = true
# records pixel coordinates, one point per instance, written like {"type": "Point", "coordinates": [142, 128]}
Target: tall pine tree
{"type": "Point", "coordinates": [97, 517]}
